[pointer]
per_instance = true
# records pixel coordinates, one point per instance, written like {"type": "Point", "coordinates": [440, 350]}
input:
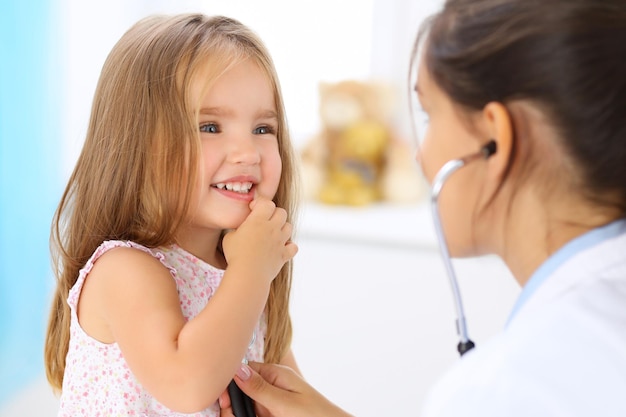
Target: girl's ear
{"type": "Point", "coordinates": [499, 126]}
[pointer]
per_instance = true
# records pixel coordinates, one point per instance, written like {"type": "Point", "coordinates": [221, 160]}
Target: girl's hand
{"type": "Point", "coordinates": [279, 392]}
{"type": "Point", "coordinates": [263, 241]}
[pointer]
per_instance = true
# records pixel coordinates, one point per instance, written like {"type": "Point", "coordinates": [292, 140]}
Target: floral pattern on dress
{"type": "Point", "coordinates": [97, 380]}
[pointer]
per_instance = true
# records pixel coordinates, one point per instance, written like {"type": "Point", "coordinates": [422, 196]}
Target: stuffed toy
{"type": "Point", "coordinates": [357, 158]}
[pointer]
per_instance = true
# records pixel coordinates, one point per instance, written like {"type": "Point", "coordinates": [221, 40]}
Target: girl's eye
{"type": "Point", "coordinates": [209, 128]}
{"type": "Point", "coordinates": [264, 130]}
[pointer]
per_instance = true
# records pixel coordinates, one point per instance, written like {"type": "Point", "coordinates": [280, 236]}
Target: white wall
{"type": "Point", "coordinates": [374, 319]}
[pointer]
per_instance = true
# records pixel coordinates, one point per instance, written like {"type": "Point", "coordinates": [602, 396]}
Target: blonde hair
{"type": "Point", "coordinates": [131, 180]}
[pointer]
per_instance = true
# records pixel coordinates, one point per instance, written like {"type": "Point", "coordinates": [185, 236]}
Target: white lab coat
{"type": "Point", "coordinates": [562, 354]}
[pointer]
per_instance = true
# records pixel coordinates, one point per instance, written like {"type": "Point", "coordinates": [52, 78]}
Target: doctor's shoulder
{"type": "Point", "coordinates": [552, 363]}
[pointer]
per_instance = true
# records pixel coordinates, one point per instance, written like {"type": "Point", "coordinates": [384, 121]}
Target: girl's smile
{"type": "Point", "coordinates": [238, 188]}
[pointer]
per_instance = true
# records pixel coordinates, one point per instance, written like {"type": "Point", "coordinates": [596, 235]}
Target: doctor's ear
{"type": "Point", "coordinates": [499, 128]}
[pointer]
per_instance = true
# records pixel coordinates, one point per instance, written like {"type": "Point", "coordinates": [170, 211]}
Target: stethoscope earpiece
{"type": "Point", "coordinates": [489, 149]}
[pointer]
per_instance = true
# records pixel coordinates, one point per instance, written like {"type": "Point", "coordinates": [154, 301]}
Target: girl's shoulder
{"type": "Point", "coordinates": [128, 258]}
{"type": "Point", "coordinates": [119, 258]}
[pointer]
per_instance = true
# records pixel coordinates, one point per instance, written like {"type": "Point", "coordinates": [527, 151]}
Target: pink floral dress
{"type": "Point", "coordinates": [97, 380]}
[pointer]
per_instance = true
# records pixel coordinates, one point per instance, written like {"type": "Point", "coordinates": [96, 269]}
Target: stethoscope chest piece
{"type": "Point", "coordinates": [242, 405]}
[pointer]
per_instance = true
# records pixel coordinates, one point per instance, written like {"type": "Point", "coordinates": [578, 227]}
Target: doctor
{"type": "Point", "coordinates": [546, 80]}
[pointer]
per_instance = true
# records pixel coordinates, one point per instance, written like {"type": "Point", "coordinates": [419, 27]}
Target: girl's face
{"type": "Point", "coordinates": [446, 136]}
{"type": "Point", "coordinates": [240, 158]}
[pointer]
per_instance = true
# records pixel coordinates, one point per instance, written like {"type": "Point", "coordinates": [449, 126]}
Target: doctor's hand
{"type": "Point", "coordinates": [279, 392]}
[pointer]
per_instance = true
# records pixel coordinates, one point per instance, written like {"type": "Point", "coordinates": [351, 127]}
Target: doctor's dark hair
{"type": "Point", "coordinates": [566, 56]}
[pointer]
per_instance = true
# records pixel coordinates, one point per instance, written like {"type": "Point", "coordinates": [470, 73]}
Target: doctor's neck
{"type": "Point", "coordinates": [537, 232]}
{"type": "Point", "coordinates": [543, 210]}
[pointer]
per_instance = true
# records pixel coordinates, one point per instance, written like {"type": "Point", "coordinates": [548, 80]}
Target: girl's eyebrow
{"type": "Point", "coordinates": [268, 114]}
{"type": "Point", "coordinates": [220, 111]}
{"type": "Point", "coordinates": [216, 111]}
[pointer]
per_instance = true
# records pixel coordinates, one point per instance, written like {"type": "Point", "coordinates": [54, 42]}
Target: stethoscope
{"type": "Point", "coordinates": [242, 405]}
{"type": "Point", "coordinates": [450, 167]}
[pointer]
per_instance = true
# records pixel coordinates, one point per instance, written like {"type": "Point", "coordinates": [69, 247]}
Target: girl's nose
{"type": "Point", "coordinates": [243, 150]}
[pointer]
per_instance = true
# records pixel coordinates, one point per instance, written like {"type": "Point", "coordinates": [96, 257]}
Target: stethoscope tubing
{"type": "Point", "coordinates": [440, 179]}
{"type": "Point", "coordinates": [449, 168]}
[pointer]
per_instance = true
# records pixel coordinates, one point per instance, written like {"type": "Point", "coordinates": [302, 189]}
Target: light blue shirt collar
{"type": "Point", "coordinates": [570, 249]}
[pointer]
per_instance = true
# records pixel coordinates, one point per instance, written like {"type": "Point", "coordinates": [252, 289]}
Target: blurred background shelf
{"type": "Point", "coordinates": [405, 225]}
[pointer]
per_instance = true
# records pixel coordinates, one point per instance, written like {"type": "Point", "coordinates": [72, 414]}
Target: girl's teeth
{"type": "Point", "coordinates": [238, 187]}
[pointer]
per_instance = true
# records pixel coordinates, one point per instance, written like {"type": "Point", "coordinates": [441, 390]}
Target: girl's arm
{"type": "Point", "coordinates": [131, 297]}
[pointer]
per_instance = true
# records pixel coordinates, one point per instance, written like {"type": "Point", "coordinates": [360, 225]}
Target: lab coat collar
{"type": "Point", "coordinates": [576, 261]}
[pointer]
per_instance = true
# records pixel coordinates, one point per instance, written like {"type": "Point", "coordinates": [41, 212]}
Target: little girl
{"type": "Point", "coordinates": [172, 240]}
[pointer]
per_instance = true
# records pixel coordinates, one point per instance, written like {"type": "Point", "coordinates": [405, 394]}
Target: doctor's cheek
{"type": "Point", "coordinates": [424, 166]}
